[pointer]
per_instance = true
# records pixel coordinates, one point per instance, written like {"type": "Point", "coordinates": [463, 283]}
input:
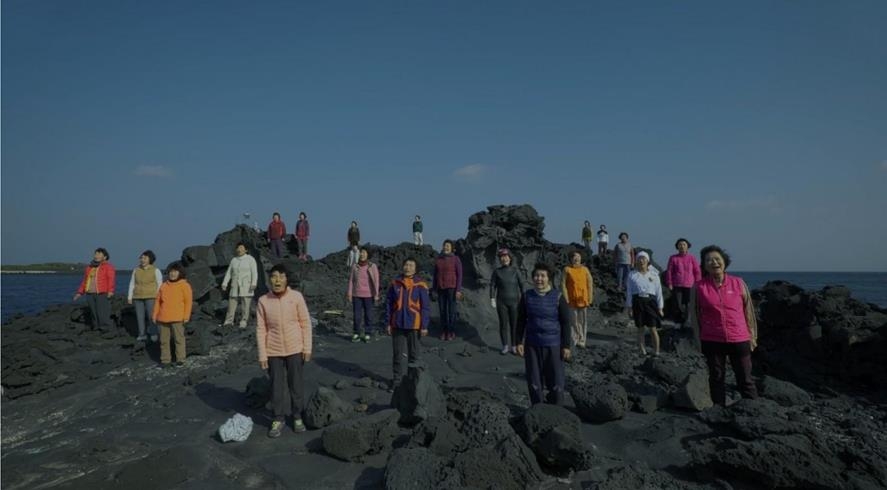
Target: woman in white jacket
{"type": "Point", "coordinates": [242, 275]}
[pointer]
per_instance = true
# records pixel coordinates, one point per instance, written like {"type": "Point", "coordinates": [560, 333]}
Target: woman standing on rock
{"type": "Point", "coordinates": [353, 244]}
{"type": "Point", "coordinates": [603, 239]}
{"type": "Point", "coordinates": [302, 233]}
{"type": "Point", "coordinates": [505, 294]}
{"type": "Point", "coordinates": [578, 287]}
{"type": "Point", "coordinates": [680, 276]}
{"type": "Point", "coordinates": [644, 301]}
{"type": "Point", "coordinates": [543, 333]}
{"type": "Point", "coordinates": [624, 260]}
{"type": "Point", "coordinates": [723, 317]}
{"type": "Point", "coordinates": [98, 286]}
{"type": "Point", "coordinates": [172, 311]}
{"type": "Point", "coordinates": [243, 276]}
{"type": "Point", "coordinates": [588, 238]}
{"type": "Point", "coordinates": [143, 286]}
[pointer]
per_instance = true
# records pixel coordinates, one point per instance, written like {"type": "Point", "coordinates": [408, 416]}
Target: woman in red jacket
{"type": "Point", "coordinates": [98, 287]}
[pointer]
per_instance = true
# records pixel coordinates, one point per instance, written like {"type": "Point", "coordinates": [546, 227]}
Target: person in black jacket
{"type": "Point", "coordinates": [506, 289]}
{"type": "Point", "coordinates": [543, 330]}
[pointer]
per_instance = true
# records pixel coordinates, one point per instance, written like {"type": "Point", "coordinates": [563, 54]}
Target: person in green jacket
{"type": "Point", "coordinates": [588, 238]}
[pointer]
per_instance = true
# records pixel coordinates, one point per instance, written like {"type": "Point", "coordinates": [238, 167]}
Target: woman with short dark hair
{"type": "Point", "coordinates": [144, 283]}
{"type": "Point", "coordinates": [723, 318]}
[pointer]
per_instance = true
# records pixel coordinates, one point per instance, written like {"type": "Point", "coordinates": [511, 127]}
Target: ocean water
{"type": "Point", "coordinates": [30, 294]}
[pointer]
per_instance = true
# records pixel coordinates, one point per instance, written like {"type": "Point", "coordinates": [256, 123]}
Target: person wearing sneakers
{"type": "Point", "coordinates": [543, 332]}
{"type": "Point", "coordinates": [283, 338]}
{"type": "Point", "coordinates": [447, 282]}
{"type": "Point", "coordinates": [172, 311]}
{"type": "Point", "coordinates": [680, 276]}
{"type": "Point", "coordinates": [143, 286]}
{"type": "Point", "coordinates": [363, 292]}
{"type": "Point", "coordinates": [577, 286]}
{"type": "Point", "coordinates": [276, 236]}
{"type": "Point", "coordinates": [723, 319]}
{"type": "Point", "coordinates": [98, 286]}
{"type": "Point", "coordinates": [243, 276]}
{"type": "Point", "coordinates": [407, 314]}
{"type": "Point", "coordinates": [303, 231]}
{"type": "Point", "coordinates": [643, 300]}
{"type": "Point", "coordinates": [506, 290]}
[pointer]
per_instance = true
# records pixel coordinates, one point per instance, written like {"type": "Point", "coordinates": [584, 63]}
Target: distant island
{"type": "Point", "coordinates": [47, 268]}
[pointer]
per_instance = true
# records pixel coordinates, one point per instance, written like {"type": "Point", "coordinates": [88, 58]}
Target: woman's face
{"type": "Point", "coordinates": [278, 282]}
{"type": "Point", "coordinates": [642, 263]}
{"type": "Point", "coordinates": [683, 247]}
{"type": "Point", "coordinates": [144, 260]}
{"type": "Point", "coordinates": [575, 259]}
{"type": "Point", "coordinates": [98, 257]}
{"type": "Point", "coordinates": [363, 255]}
{"type": "Point", "coordinates": [505, 259]}
{"type": "Point", "coordinates": [541, 279]}
{"type": "Point", "coordinates": [448, 248]}
{"type": "Point", "coordinates": [240, 250]}
{"type": "Point", "coordinates": [714, 263]}
{"type": "Point", "coordinates": [354, 224]}
{"type": "Point", "coordinates": [173, 275]}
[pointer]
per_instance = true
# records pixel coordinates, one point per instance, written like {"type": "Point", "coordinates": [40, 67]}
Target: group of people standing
{"type": "Point", "coordinates": [277, 236]}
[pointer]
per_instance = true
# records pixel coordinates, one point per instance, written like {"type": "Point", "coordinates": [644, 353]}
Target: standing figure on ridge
{"type": "Point", "coordinates": [680, 276]}
{"type": "Point", "coordinates": [353, 237]}
{"type": "Point", "coordinates": [143, 286]}
{"type": "Point", "coordinates": [363, 292]}
{"type": "Point", "coordinates": [723, 319]}
{"type": "Point", "coordinates": [302, 233]}
{"type": "Point", "coordinates": [276, 235]}
{"type": "Point", "coordinates": [447, 283]}
{"type": "Point", "coordinates": [98, 286]}
{"type": "Point", "coordinates": [603, 238]}
{"type": "Point", "coordinates": [243, 276]}
{"type": "Point", "coordinates": [407, 314]}
{"type": "Point", "coordinates": [644, 301]}
{"type": "Point", "coordinates": [624, 258]}
{"type": "Point", "coordinates": [577, 286]}
{"type": "Point", "coordinates": [417, 231]}
{"type": "Point", "coordinates": [543, 332]}
{"type": "Point", "coordinates": [506, 290]}
{"type": "Point", "coordinates": [588, 238]}
{"type": "Point", "coordinates": [284, 343]}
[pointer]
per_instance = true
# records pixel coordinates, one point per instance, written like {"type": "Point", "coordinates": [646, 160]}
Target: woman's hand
{"type": "Point", "coordinates": [519, 349]}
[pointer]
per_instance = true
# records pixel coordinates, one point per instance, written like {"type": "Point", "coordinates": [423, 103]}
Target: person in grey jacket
{"type": "Point", "coordinates": [243, 277]}
{"type": "Point", "coordinates": [506, 289]}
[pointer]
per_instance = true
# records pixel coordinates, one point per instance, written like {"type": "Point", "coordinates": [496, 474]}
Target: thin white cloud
{"type": "Point", "coordinates": [472, 172]}
{"type": "Point", "coordinates": [152, 171]}
{"type": "Point", "coordinates": [769, 203]}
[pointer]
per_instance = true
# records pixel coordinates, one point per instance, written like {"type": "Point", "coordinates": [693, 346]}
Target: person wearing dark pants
{"type": "Point", "coordinates": [283, 338]}
{"type": "Point", "coordinates": [276, 235]}
{"type": "Point", "coordinates": [543, 332]}
{"type": "Point", "coordinates": [680, 276]}
{"type": "Point", "coordinates": [363, 292]}
{"type": "Point", "coordinates": [505, 294]}
{"type": "Point", "coordinates": [722, 316]}
{"type": "Point", "coordinates": [739, 353]}
{"type": "Point", "coordinates": [447, 281]}
{"type": "Point", "coordinates": [98, 287]}
{"type": "Point", "coordinates": [407, 313]}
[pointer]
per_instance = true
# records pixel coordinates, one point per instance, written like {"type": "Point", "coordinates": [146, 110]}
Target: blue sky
{"type": "Point", "coordinates": [760, 126]}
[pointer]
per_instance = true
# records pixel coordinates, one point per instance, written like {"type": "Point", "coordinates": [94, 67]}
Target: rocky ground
{"type": "Point", "coordinates": [84, 408]}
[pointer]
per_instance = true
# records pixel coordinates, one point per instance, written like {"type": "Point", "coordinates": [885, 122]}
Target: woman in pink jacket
{"type": "Point", "coordinates": [283, 337]}
{"type": "Point", "coordinates": [723, 317]}
{"type": "Point", "coordinates": [682, 273]}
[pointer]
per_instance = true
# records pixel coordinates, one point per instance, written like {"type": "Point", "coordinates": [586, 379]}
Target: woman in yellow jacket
{"type": "Point", "coordinates": [172, 310]}
{"type": "Point", "coordinates": [578, 287]}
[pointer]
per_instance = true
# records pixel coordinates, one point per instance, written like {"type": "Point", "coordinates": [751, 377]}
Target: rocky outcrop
{"type": "Point", "coordinates": [555, 436]}
{"type": "Point", "coordinates": [354, 439]}
{"type": "Point", "coordinates": [418, 397]}
{"type": "Point", "coordinates": [325, 408]}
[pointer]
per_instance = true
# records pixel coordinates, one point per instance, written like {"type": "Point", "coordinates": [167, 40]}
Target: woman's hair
{"type": "Point", "coordinates": [408, 259]}
{"type": "Point", "coordinates": [575, 252]}
{"type": "Point", "coordinates": [679, 240]}
{"type": "Point", "coordinates": [364, 249]}
{"type": "Point", "coordinates": [303, 215]}
{"type": "Point", "coordinates": [240, 244]}
{"type": "Point", "coordinates": [104, 252]}
{"type": "Point", "coordinates": [623, 233]}
{"type": "Point", "coordinates": [713, 248]}
{"type": "Point", "coordinates": [275, 214]}
{"type": "Point", "coordinates": [150, 255]}
{"type": "Point", "coordinates": [542, 266]}
{"type": "Point", "coordinates": [418, 217]}
{"type": "Point", "coordinates": [176, 266]}
{"type": "Point", "coordinates": [450, 242]}
{"type": "Point", "coordinates": [354, 223]}
{"type": "Point", "coordinates": [603, 227]}
{"type": "Point", "coordinates": [587, 223]}
{"type": "Point", "coordinates": [279, 268]}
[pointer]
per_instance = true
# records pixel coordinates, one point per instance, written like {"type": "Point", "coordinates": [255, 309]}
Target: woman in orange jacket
{"type": "Point", "coordinates": [172, 310]}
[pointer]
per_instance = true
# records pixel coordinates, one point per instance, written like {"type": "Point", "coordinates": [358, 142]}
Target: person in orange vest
{"type": "Point", "coordinates": [578, 287]}
{"type": "Point", "coordinates": [98, 287]}
{"type": "Point", "coordinates": [172, 310]}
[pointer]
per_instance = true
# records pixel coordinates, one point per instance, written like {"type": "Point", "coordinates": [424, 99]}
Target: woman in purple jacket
{"type": "Point", "coordinates": [680, 276]}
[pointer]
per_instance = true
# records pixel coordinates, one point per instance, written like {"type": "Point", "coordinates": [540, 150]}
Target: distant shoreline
{"type": "Point", "coordinates": [39, 272]}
